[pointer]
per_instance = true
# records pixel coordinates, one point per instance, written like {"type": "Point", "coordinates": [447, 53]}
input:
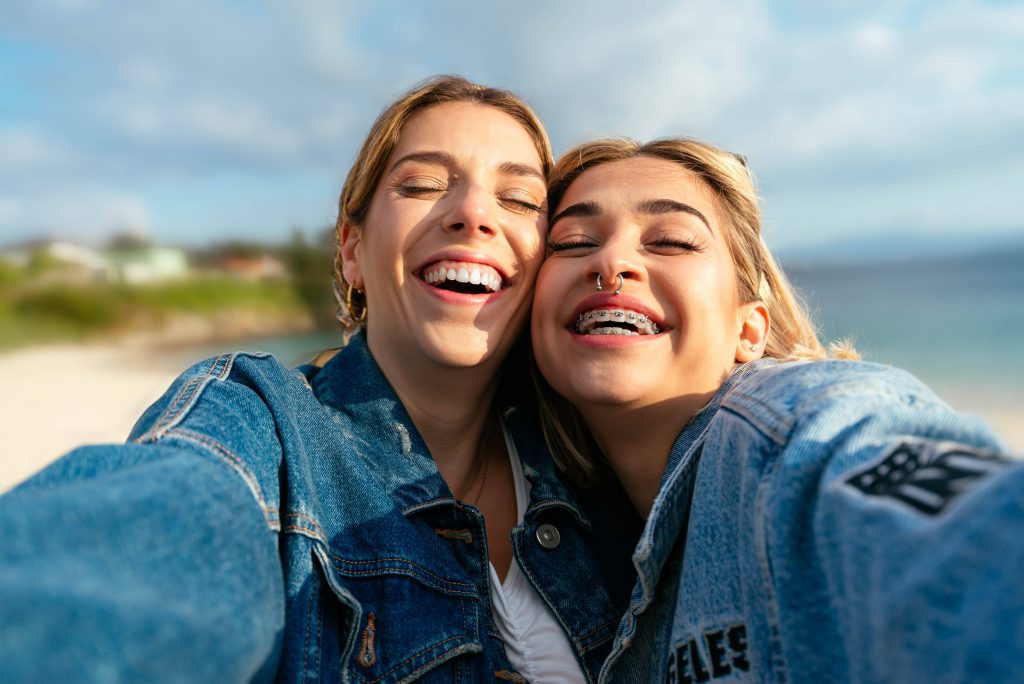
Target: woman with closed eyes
{"type": "Point", "coordinates": [389, 514]}
{"type": "Point", "coordinates": [809, 517]}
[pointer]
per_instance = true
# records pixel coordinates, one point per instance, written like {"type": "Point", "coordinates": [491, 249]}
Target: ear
{"type": "Point", "coordinates": [349, 237]}
{"type": "Point", "coordinates": [753, 335]}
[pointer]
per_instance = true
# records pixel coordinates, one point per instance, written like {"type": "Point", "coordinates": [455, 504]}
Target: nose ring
{"type": "Point", "coordinates": [617, 289]}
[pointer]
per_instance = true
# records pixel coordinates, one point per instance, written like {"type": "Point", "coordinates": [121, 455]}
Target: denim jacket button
{"type": "Point", "coordinates": [548, 536]}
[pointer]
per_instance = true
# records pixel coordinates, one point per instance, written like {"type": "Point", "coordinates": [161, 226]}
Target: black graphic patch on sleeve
{"type": "Point", "coordinates": [927, 476]}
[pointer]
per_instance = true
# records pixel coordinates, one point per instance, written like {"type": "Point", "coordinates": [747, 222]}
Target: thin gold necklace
{"type": "Point", "coordinates": [485, 455]}
{"type": "Point", "coordinates": [483, 479]}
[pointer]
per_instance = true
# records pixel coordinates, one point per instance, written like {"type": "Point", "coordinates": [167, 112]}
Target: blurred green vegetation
{"type": "Point", "coordinates": [311, 273]}
{"type": "Point", "coordinates": [37, 304]}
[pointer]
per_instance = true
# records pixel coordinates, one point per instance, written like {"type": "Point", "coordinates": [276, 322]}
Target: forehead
{"type": "Point", "coordinates": [623, 184]}
{"type": "Point", "coordinates": [468, 129]}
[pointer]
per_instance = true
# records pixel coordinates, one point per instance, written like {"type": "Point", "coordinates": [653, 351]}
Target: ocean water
{"type": "Point", "coordinates": [292, 349]}
{"type": "Point", "coordinates": [958, 324]}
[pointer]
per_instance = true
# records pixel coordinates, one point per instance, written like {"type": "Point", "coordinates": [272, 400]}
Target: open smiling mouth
{"type": "Point", "coordinates": [464, 278]}
{"type": "Point", "coordinates": [615, 322]}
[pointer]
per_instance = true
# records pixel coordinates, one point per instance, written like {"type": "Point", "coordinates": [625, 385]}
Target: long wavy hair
{"type": "Point", "coordinates": [371, 162]}
{"type": "Point", "coordinates": [791, 335]}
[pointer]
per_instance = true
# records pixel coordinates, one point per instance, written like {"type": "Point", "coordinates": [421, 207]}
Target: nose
{"type": "Point", "coordinates": [613, 267]}
{"type": "Point", "coordinates": [471, 210]}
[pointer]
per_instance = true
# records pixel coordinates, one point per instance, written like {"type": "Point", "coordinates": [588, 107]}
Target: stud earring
{"type": "Point", "coordinates": [753, 347]}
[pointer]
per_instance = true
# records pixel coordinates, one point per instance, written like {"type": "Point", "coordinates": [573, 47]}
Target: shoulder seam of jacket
{"type": "Point", "coordinates": [218, 369]}
{"type": "Point", "coordinates": [233, 461]}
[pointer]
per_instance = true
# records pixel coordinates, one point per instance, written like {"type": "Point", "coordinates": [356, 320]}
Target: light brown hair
{"type": "Point", "coordinates": [791, 334]}
{"type": "Point", "coordinates": [371, 161]}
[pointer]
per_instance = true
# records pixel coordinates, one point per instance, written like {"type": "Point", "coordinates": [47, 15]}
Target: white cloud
{"type": "Point", "coordinates": [86, 213]}
{"type": "Point", "coordinates": [26, 148]}
{"type": "Point", "coordinates": [818, 98]}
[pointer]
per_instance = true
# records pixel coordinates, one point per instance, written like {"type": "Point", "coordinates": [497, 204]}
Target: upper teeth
{"type": "Point", "coordinates": [477, 274]}
{"type": "Point", "coordinates": [587, 323]}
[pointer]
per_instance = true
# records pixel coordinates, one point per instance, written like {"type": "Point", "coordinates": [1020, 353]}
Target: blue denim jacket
{"type": "Point", "coordinates": [829, 522]}
{"type": "Point", "coordinates": [264, 523]}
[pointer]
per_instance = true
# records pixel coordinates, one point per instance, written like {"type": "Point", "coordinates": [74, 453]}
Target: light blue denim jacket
{"type": "Point", "coordinates": [829, 521]}
{"type": "Point", "coordinates": [264, 523]}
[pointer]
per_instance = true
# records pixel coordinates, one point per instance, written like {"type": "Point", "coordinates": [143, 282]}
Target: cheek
{"type": "Point", "coordinates": [542, 297]}
{"type": "Point", "coordinates": [528, 241]}
{"type": "Point", "coordinates": [548, 286]}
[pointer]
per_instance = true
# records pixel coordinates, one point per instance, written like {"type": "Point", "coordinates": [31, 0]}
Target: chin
{"type": "Point", "coordinates": [465, 346]}
{"type": "Point", "coordinates": [597, 386]}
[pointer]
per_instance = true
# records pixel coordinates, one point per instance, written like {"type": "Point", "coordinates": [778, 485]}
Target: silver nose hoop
{"type": "Point", "coordinates": [617, 289]}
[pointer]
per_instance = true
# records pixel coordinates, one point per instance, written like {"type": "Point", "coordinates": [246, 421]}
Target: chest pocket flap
{"type": "Point", "coordinates": [397, 620]}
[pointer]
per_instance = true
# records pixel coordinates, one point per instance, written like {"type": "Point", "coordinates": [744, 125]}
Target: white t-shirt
{"type": "Point", "coordinates": [534, 641]}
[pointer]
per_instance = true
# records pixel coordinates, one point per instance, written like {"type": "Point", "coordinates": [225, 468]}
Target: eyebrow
{"type": "Point", "coordinates": [445, 159]}
{"type": "Point", "coordinates": [652, 207]}
{"type": "Point", "coordinates": [666, 206]}
{"type": "Point", "coordinates": [579, 209]}
{"type": "Point", "coordinates": [515, 169]}
{"type": "Point", "coordinates": [442, 158]}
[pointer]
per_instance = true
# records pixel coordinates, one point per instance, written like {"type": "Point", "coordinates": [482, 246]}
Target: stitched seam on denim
{"type": "Point", "coordinates": [761, 536]}
{"type": "Point", "coordinates": [465, 619]}
{"type": "Point", "coordinates": [775, 425]}
{"type": "Point", "coordinates": [312, 529]}
{"type": "Point", "coordinates": [180, 405]}
{"type": "Point", "coordinates": [545, 504]}
{"type": "Point", "coordinates": [600, 638]}
{"type": "Point", "coordinates": [226, 456]}
{"type": "Point", "coordinates": [401, 561]}
{"type": "Point", "coordinates": [319, 627]}
{"type": "Point", "coordinates": [428, 504]}
{"type": "Point", "coordinates": [309, 616]}
{"type": "Point", "coordinates": [412, 657]}
{"type": "Point", "coordinates": [346, 640]}
{"type": "Point", "coordinates": [407, 573]}
{"type": "Point", "coordinates": [577, 644]}
{"type": "Point", "coordinates": [297, 529]}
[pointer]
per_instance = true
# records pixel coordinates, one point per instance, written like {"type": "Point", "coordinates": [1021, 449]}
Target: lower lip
{"type": "Point", "coordinates": [613, 341]}
{"type": "Point", "coordinates": [449, 297]}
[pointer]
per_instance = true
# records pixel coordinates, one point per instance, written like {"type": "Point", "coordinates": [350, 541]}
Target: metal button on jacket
{"type": "Point", "coordinates": [548, 536]}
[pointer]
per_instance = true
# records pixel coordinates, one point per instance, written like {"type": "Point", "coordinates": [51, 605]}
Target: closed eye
{"type": "Point", "coordinates": [520, 206]}
{"type": "Point", "coordinates": [671, 245]}
{"type": "Point", "coordinates": [421, 190]}
{"type": "Point", "coordinates": [571, 244]}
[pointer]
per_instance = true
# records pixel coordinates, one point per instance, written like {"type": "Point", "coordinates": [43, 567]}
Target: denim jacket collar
{"type": "Point", "coordinates": [672, 504]}
{"type": "Point", "coordinates": [404, 462]}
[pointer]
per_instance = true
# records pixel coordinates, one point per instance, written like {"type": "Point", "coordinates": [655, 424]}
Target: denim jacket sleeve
{"type": "Point", "coordinates": [156, 560]}
{"type": "Point", "coordinates": [903, 514]}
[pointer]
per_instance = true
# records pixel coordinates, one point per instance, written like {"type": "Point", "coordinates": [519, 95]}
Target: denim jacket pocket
{"type": "Point", "coordinates": [397, 620]}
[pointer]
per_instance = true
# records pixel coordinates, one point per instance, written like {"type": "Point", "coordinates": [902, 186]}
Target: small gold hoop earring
{"type": "Point", "coordinates": [348, 305]}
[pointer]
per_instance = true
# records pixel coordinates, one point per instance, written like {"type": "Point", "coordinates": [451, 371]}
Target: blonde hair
{"type": "Point", "coordinates": [791, 334]}
{"type": "Point", "coordinates": [371, 161]}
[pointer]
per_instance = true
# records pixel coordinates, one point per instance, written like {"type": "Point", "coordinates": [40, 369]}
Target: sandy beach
{"type": "Point", "coordinates": [58, 397]}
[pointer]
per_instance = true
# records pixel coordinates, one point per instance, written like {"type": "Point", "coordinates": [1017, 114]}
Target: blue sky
{"type": "Point", "coordinates": [195, 122]}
